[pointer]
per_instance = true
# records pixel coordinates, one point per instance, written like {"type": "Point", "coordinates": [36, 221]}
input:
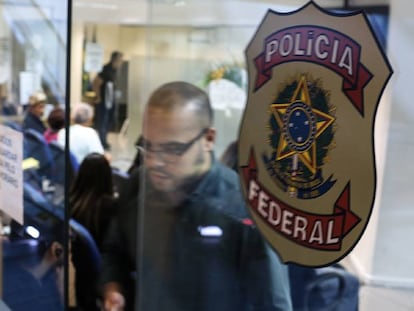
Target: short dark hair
{"type": "Point", "coordinates": [165, 97]}
{"type": "Point", "coordinates": [56, 119]}
{"type": "Point", "coordinates": [115, 55]}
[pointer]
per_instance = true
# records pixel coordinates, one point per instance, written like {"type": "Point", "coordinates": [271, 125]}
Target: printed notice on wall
{"type": "Point", "coordinates": [93, 57]}
{"type": "Point", "coordinates": [11, 173]}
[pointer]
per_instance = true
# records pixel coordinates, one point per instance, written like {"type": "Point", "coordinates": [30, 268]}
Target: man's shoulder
{"type": "Point", "coordinates": [107, 72]}
{"type": "Point", "coordinates": [225, 177]}
{"type": "Point", "coordinates": [227, 197]}
{"type": "Point", "coordinates": [30, 118]}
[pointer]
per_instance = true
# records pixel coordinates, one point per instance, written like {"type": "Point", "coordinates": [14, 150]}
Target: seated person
{"type": "Point", "coordinates": [92, 204]}
{"type": "Point", "coordinates": [56, 122]}
{"type": "Point", "coordinates": [83, 138]}
{"type": "Point", "coordinates": [34, 281]}
{"type": "Point", "coordinates": [91, 196]}
{"type": "Point", "coordinates": [34, 113]}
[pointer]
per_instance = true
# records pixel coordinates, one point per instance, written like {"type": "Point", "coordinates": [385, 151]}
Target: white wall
{"type": "Point", "coordinates": [163, 54]}
{"type": "Point", "coordinates": [76, 63]}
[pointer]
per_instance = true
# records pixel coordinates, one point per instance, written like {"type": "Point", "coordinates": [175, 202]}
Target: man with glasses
{"type": "Point", "coordinates": [187, 234]}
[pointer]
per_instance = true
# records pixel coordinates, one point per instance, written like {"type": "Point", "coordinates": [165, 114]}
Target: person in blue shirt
{"type": "Point", "coordinates": [33, 268]}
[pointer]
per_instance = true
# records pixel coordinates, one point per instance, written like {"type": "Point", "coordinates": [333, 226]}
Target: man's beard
{"type": "Point", "coordinates": [185, 185]}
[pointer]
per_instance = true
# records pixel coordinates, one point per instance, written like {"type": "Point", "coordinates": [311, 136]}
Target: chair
{"type": "Point", "coordinates": [16, 255]}
{"type": "Point", "coordinates": [38, 210]}
{"type": "Point", "coordinates": [16, 250]}
{"type": "Point", "coordinates": [58, 157]}
{"type": "Point", "coordinates": [14, 125]}
{"type": "Point", "coordinates": [33, 288]}
{"type": "Point", "coordinates": [35, 146]}
{"type": "Point", "coordinates": [323, 289]}
{"type": "Point", "coordinates": [88, 264]}
{"type": "Point", "coordinates": [41, 217]}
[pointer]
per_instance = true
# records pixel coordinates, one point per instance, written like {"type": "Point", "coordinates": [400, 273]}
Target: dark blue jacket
{"type": "Point", "coordinates": [204, 255]}
{"type": "Point", "coordinates": [22, 291]}
{"type": "Point", "coordinates": [31, 121]}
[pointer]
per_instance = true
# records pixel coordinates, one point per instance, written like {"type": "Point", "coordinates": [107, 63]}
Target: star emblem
{"type": "Point", "coordinates": [300, 126]}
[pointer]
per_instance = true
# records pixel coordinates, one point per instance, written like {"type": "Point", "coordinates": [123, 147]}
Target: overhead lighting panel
{"type": "Point", "coordinates": [96, 5]}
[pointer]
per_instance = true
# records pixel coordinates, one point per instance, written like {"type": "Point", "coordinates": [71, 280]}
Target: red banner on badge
{"type": "Point", "coordinates": [320, 45]}
{"type": "Point", "coordinates": [323, 232]}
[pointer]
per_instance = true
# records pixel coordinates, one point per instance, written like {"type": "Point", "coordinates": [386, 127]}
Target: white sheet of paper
{"type": "Point", "coordinates": [11, 173]}
{"type": "Point", "coordinates": [225, 94]}
{"type": "Point", "coordinates": [93, 57]}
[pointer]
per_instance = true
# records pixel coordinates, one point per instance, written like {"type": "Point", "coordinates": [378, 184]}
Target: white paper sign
{"type": "Point", "coordinates": [4, 59]}
{"type": "Point", "coordinates": [225, 94]}
{"type": "Point", "coordinates": [93, 57]}
{"type": "Point", "coordinates": [11, 173]}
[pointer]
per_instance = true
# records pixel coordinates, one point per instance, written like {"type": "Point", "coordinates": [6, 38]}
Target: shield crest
{"type": "Point", "coordinates": [306, 142]}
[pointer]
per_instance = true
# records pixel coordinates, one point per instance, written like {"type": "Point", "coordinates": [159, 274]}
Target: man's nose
{"type": "Point", "coordinates": [154, 159]}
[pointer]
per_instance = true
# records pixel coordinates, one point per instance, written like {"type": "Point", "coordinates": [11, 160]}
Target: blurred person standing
{"type": "Point", "coordinates": [34, 113]}
{"type": "Point", "coordinates": [188, 226]}
{"type": "Point", "coordinates": [34, 281]}
{"type": "Point", "coordinates": [104, 88]}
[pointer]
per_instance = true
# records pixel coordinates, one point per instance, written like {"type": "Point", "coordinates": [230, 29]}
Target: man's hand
{"type": "Point", "coordinates": [96, 86]}
{"type": "Point", "coordinates": [113, 299]}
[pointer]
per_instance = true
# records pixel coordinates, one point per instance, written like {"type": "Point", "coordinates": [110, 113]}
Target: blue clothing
{"type": "Point", "coordinates": [22, 291]}
{"type": "Point", "coordinates": [203, 255]}
{"type": "Point", "coordinates": [31, 121]}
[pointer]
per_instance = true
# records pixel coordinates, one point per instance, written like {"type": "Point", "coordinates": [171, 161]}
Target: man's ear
{"type": "Point", "coordinates": [210, 138]}
{"type": "Point", "coordinates": [57, 250]}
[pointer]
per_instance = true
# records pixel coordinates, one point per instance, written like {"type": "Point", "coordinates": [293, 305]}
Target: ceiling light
{"type": "Point", "coordinates": [33, 232]}
{"type": "Point", "coordinates": [179, 3]}
{"type": "Point", "coordinates": [96, 5]}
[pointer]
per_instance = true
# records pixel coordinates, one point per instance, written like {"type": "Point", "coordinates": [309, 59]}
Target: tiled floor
{"type": "Point", "coordinates": [372, 297]}
{"type": "Point", "coordinates": [385, 299]}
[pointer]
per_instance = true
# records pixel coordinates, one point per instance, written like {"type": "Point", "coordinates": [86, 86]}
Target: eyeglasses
{"type": "Point", "coordinates": [170, 151]}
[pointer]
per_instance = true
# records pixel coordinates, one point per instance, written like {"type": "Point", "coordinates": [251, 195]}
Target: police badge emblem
{"type": "Point", "coordinates": [306, 147]}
